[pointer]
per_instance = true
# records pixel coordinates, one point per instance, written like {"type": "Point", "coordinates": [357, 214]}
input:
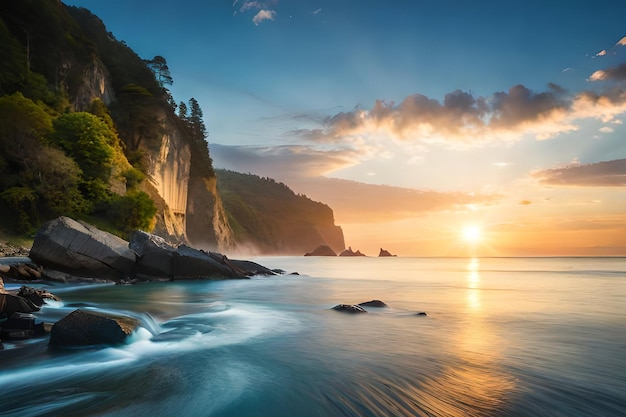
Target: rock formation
{"type": "Point", "coordinates": [323, 250]}
{"type": "Point", "coordinates": [384, 253]}
{"type": "Point", "coordinates": [89, 328]}
{"type": "Point", "coordinates": [350, 252]}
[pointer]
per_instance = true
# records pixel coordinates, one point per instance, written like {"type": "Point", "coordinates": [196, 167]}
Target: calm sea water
{"type": "Point", "coordinates": [502, 337]}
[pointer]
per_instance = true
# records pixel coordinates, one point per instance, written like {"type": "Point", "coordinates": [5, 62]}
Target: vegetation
{"type": "Point", "coordinates": [269, 214]}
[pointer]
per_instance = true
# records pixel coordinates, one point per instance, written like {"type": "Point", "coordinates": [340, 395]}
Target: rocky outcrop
{"type": "Point", "coordinates": [80, 248]}
{"type": "Point", "coordinates": [350, 252]}
{"type": "Point", "coordinates": [384, 253]}
{"type": "Point", "coordinates": [323, 250]}
{"type": "Point", "coordinates": [95, 82]}
{"type": "Point", "coordinates": [373, 303]}
{"type": "Point", "coordinates": [349, 308]}
{"type": "Point", "coordinates": [89, 328]}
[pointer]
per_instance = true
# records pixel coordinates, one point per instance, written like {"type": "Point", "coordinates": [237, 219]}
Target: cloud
{"type": "Point", "coordinates": [263, 15]}
{"type": "Point", "coordinates": [606, 129]}
{"type": "Point", "coordinates": [353, 202]}
{"type": "Point", "coordinates": [600, 174]}
{"type": "Point", "coordinates": [621, 42]}
{"type": "Point", "coordinates": [281, 161]}
{"type": "Point", "coordinates": [462, 120]}
{"type": "Point", "coordinates": [601, 53]}
{"type": "Point", "coordinates": [317, 11]}
{"type": "Point", "coordinates": [617, 73]}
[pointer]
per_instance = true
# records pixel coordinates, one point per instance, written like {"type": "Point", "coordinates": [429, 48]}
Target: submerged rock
{"type": "Point", "coordinates": [349, 308]}
{"type": "Point", "coordinates": [373, 303]}
{"type": "Point", "coordinates": [20, 326]}
{"type": "Point", "coordinates": [89, 328]}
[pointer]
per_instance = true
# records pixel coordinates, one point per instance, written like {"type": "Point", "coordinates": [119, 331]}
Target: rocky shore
{"type": "Point", "coordinates": [69, 251]}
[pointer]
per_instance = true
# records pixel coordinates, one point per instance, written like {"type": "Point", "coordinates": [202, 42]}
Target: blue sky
{"type": "Point", "coordinates": [514, 105]}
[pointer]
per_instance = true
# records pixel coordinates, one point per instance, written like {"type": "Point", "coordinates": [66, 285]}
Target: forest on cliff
{"type": "Point", "coordinates": [82, 120]}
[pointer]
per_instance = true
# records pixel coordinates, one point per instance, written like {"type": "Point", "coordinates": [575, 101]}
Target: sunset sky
{"type": "Point", "coordinates": [413, 120]}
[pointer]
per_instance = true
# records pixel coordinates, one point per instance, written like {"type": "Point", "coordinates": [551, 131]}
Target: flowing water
{"type": "Point", "coordinates": [502, 337]}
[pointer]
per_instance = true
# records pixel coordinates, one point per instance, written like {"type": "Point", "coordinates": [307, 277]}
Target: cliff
{"type": "Point", "coordinates": [65, 58]}
{"type": "Point", "coordinates": [271, 219]}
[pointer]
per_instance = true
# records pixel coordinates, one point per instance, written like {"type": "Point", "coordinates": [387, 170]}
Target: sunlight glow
{"type": "Point", "coordinates": [472, 234]}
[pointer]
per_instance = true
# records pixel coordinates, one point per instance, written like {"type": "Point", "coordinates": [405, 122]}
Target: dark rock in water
{"type": "Point", "coordinates": [252, 268]}
{"type": "Point", "coordinates": [36, 296]}
{"type": "Point", "coordinates": [384, 253]}
{"type": "Point", "coordinates": [88, 328]}
{"type": "Point", "coordinates": [349, 308]}
{"type": "Point", "coordinates": [373, 303]}
{"type": "Point", "coordinates": [21, 326]}
{"type": "Point", "coordinates": [350, 252]}
{"type": "Point", "coordinates": [322, 250]}
{"type": "Point", "coordinates": [13, 303]}
{"type": "Point", "coordinates": [78, 247]}
{"type": "Point", "coordinates": [420, 313]}
{"type": "Point", "coordinates": [155, 256]}
{"type": "Point", "coordinates": [192, 263]}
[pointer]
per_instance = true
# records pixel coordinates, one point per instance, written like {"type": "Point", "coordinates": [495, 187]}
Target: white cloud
{"type": "Point", "coordinates": [621, 41]}
{"type": "Point", "coordinates": [606, 129]}
{"type": "Point", "coordinates": [263, 15]}
{"type": "Point", "coordinates": [598, 75]}
{"type": "Point", "coordinates": [601, 53]}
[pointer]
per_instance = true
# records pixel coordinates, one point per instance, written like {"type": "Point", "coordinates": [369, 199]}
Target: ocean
{"type": "Point", "coordinates": [501, 337]}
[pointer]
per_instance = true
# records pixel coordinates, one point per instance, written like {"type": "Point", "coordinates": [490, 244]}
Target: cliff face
{"type": "Point", "coordinates": [207, 221]}
{"type": "Point", "coordinates": [95, 83]}
{"type": "Point", "coordinates": [168, 172]}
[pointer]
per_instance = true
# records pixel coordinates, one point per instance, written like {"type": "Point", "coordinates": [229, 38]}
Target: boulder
{"type": "Point", "coordinates": [155, 256]}
{"type": "Point", "coordinates": [21, 326]}
{"type": "Point", "coordinates": [79, 248]}
{"type": "Point", "coordinates": [13, 303]}
{"type": "Point", "coordinates": [349, 308]}
{"type": "Point", "coordinates": [384, 253]}
{"type": "Point", "coordinates": [35, 296]}
{"type": "Point", "coordinates": [350, 252]}
{"type": "Point", "coordinates": [89, 328]}
{"type": "Point", "coordinates": [373, 303]}
{"type": "Point", "coordinates": [190, 263]}
{"type": "Point", "coordinates": [252, 268]}
{"type": "Point", "coordinates": [323, 250]}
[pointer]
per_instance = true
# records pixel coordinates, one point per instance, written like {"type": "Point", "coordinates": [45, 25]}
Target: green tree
{"type": "Point", "coordinates": [90, 142]}
{"type": "Point", "coordinates": [136, 113]}
{"type": "Point", "coordinates": [198, 129]}
{"type": "Point", "coordinates": [134, 211]}
{"type": "Point", "coordinates": [161, 71]}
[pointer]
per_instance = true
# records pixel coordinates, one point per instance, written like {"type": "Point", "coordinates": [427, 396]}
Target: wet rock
{"type": "Point", "coordinates": [13, 303]}
{"type": "Point", "coordinates": [89, 328]}
{"type": "Point", "coordinates": [35, 296]}
{"type": "Point", "coordinates": [77, 247]}
{"type": "Point", "coordinates": [155, 256]}
{"type": "Point", "coordinates": [373, 303]}
{"type": "Point", "coordinates": [420, 313]}
{"type": "Point", "coordinates": [349, 308]}
{"type": "Point", "coordinates": [192, 263]}
{"type": "Point", "coordinates": [20, 326]}
{"type": "Point", "coordinates": [323, 250]}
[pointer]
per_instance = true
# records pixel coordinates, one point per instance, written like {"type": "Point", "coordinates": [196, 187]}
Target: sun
{"type": "Point", "coordinates": [472, 234]}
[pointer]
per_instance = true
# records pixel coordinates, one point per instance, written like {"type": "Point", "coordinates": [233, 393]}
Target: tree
{"type": "Point", "coordinates": [161, 71]}
{"type": "Point", "coordinates": [198, 129]}
{"type": "Point", "coordinates": [90, 142]}
{"type": "Point", "coordinates": [182, 111]}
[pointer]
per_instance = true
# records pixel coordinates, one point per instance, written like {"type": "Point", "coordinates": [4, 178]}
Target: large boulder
{"type": "Point", "coordinates": [89, 328]}
{"type": "Point", "coordinates": [323, 250]}
{"type": "Point", "coordinates": [155, 256]}
{"type": "Point", "coordinates": [373, 303]}
{"type": "Point", "coordinates": [13, 303]}
{"type": "Point", "coordinates": [79, 248]}
{"type": "Point", "coordinates": [190, 263]}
